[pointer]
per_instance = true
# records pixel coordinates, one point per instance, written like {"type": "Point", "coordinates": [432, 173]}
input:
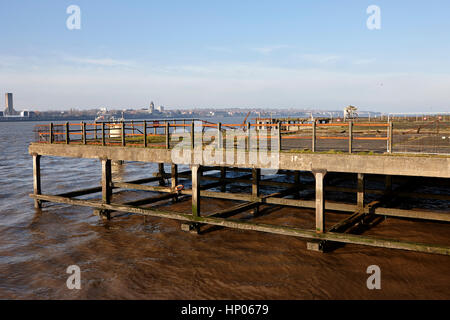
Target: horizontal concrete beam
{"type": "Point", "coordinates": [424, 166]}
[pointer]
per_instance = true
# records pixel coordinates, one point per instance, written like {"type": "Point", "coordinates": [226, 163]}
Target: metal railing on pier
{"type": "Point", "coordinates": [427, 137]}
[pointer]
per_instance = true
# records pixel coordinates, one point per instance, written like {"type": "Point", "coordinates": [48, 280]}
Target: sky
{"type": "Point", "coordinates": [249, 54]}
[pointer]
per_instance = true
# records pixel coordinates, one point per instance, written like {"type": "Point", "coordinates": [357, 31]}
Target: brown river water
{"type": "Point", "coordinates": [135, 258]}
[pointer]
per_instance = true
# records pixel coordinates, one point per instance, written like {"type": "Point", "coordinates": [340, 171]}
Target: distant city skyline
{"type": "Point", "coordinates": [254, 54]}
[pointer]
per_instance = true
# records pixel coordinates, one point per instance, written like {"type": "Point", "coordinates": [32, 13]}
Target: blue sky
{"type": "Point", "coordinates": [300, 54]}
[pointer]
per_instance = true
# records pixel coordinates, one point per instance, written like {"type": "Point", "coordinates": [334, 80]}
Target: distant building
{"type": "Point", "coordinates": [151, 109]}
{"type": "Point", "coordinates": [160, 108]}
{"type": "Point", "coordinates": [9, 110]}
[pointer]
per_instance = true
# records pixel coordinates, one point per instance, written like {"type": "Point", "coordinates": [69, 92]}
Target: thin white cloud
{"type": "Point", "coordinates": [104, 62]}
{"type": "Point", "coordinates": [364, 61]}
{"type": "Point", "coordinates": [219, 49]}
{"type": "Point", "coordinates": [269, 49]}
{"type": "Point", "coordinates": [319, 58]}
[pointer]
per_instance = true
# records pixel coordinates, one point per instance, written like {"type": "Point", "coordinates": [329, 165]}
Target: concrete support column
{"type": "Point", "coordinates": [388, 184]}
{"type": "Point", "coordinates": [256, 177]}
{"type": "Point", "coordinates": [37, 178]}
{"type": "Point", "coordinates": [223, 175]}
{"type": "Point", "coordinates": [360, 192]}
{"type": "Point", "coordinates": [106, 185]}
{"type": "Point", "coordinates": [161, 174]}
{"type": "Point", "coordinates": [297, 183]}
{"type": "Point", "coordinates": [319, 175]}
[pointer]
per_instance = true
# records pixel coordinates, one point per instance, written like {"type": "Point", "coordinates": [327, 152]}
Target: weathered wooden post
{"type": "Point", "coordinates": [360, 192]}
{"type": "Point", "coordinates": [67, 133]}
{"type": "Point", "coordinates": [167, 135]}
{"type": "Point", "coordinates": [219, 135]}
{"type": "Point", "coordinates": [279, 136]}
{"type": "Point", "coordinates": [256, 177]}
{"type": "Point", "coordinates": [192, 135]}
{"type": "Point", "coordinates": [106, 186]}
{"type": "Point", "coordinates": [103, 134]}
{"type": "Point", "coordinates": [249, 127]}
{"type": "Point", "coordinates": [83, 130]}
{"type": "Point", "coordinates": [155, 127]}
{"type": "Point", "coordinates": [145, 134]}
{"type": "Point", "coordinates": [51, 133]}
{"type": "Point", "coordinates": [313, 142]}
{"type": "Point", "coordinates": [95, 130]}
{"type": "Point", "coordinates": [37, 178]}
{"type": "Point", "coordinates": [390, 136]}
{"type": "Point", "coordinates": [350, 136]}
{"type": "Point", "coordinates": [123, 133]}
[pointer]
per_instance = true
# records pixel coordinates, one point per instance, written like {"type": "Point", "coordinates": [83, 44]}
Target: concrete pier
{"type": "Point", "coordinates": [251, 170]}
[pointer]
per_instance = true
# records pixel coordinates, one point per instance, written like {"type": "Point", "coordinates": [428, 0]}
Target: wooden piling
{"type": "Point", "coordinates": [106, 186]}
{"type": "Point", "coordinates": [37, 178]}
{"type": "Point", "coordinates": [360, 193]}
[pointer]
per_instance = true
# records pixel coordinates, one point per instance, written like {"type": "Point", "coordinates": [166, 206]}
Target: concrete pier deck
{"type": "Point", "coordinates": [255, 164]}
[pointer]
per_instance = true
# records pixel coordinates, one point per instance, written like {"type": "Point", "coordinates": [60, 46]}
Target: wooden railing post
{"type": "Point", "coordinates": [192, 135]}
{"type": "Point", "coordinates": [219, 135]}
{"type": "Point", "coordinates": [313, 142]}
{"type": "Point", "coordinates": [145, 134]}
{"type": "Point", "coordinates": [249, 127]}
{"type": "Point", "coordinates": [103, 134]}
{"type": "Point", "coordinates": [350, 136]}
{"type": "Point", "coordinates": [67, 133]}
{"type": "Point", "coordinates": [167, 135]}
{"type": "Point", "coordinates": [123, 134]}
{"type": "Point", "coordinates": [390, 136]}
{"type": "Point", "coordinates": [51, 132]}
{"type": "Point", "coordinates": [279, 136]}
{"type": "Point", "coordinates": [83, 129]}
